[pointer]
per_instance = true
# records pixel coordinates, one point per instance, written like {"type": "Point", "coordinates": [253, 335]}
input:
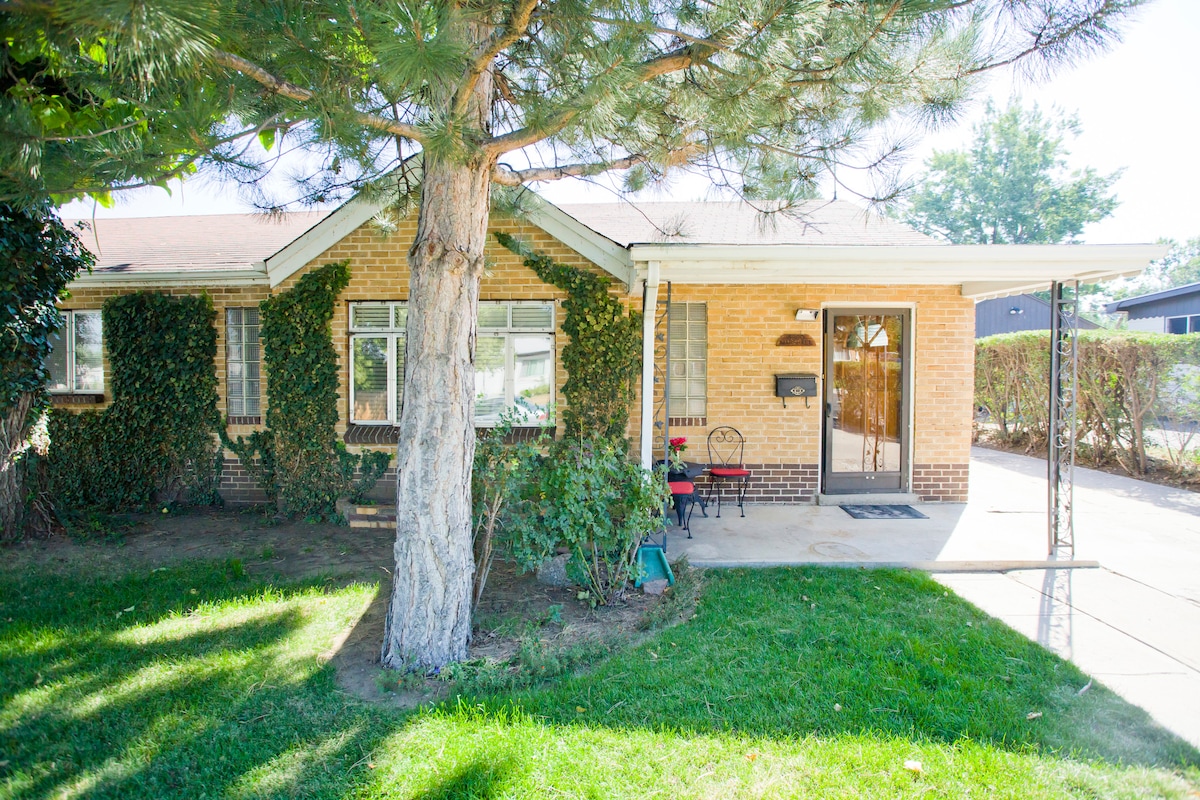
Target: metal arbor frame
{"type": "Point", "coordinates": [1064, 375]}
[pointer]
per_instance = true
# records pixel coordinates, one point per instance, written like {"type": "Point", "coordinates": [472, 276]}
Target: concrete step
{"type": "Point", "coordinates": [869, 499]}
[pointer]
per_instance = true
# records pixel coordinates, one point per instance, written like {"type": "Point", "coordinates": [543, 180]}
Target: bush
{"type": "Point", "coordinates": [1127, 382]}
{"type": "Point", "coordinates": [585, 496]}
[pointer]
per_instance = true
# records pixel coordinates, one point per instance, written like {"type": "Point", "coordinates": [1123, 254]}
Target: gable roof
{"type": "Point", "coordinates": [1131, 303]}
{"type": "Point", "coordinates": [228, 246]}
{"type": "Point", "coordinates": [727, 243]}
{"type": "Point", "coordinates": [815, 222]}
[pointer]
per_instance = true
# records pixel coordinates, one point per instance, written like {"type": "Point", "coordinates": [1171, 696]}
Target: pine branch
{"type": "Point", "coordinates": [507, 176]}
{"type": "Point", "coordinates": [291, 91]}
{"type": "Point", "coordinates": [500, 39]}
{"type": "Point", "coordinates": [664, 64]}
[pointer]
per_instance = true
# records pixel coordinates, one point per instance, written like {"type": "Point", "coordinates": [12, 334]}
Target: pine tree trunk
{"type": "Point", "coordinates": [14, 428]}
{"type": "Point", "coordinates": [429, 616]}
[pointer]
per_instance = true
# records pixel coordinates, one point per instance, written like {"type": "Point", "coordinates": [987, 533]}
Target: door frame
{"type": "Point", "coordinates": [908, 312]}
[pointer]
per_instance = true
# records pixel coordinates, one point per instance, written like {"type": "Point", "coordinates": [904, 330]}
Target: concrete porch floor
{"type": "Point", "coordinates": [1132, 620]}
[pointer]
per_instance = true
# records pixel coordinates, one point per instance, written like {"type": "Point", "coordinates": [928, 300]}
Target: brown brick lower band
{"type": "Point", "coordinates": [944, 483]}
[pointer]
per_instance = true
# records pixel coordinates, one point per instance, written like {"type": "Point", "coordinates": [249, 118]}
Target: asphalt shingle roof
{"type": "Point", "coordinates": [205, 242]}
{"type": "Point", "coordinates": [819, 222]}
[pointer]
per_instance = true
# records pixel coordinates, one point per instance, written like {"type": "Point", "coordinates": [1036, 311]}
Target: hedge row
{"type": "Point", "coordinates": [1128, 382]}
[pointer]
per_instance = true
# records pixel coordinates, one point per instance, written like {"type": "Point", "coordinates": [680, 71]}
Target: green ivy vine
{"type": "Point", "coordinates": [157, 441]}
{"type": "Point", "coordinates": [603, 358]}
{"type": "Point", "coordinates": [298, 460]}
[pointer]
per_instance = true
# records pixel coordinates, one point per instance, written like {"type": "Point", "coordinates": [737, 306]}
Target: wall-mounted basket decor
{"type": "Point", "coordinates": [795, 340]}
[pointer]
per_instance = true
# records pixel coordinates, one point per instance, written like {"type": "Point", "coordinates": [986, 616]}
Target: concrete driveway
{"type": "Point", "coordinates": [1132, 621]}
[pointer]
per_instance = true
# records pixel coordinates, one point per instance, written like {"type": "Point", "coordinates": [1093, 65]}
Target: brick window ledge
{"type": "Point", "coordinates": [76, 399]}
{"type": "Point", "coordinates": [390, 434]}
{"type": "Point", "coordinates": [244, 421]}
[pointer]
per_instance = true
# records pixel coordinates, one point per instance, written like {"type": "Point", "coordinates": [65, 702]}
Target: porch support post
{"type": "Point", "coordinates": [649, 307]}
{"type": "Point", "coordinates": [1060, 450]}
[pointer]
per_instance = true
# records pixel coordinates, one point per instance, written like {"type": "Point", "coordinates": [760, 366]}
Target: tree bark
{"type": "Point", "coordinates": [429, 616]}
{"type": "Point", "coordinates": [14, 430]}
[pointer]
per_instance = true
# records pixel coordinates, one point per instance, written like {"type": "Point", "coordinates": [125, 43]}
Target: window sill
{"type": "Point", "coordinates": [76, 399]}
{"type": "Point", "coordinates": [390, 434]}
{"type": "Point", "coordinates": [688, 422]}
{"type": "Point", "coordinates": [243, 421]}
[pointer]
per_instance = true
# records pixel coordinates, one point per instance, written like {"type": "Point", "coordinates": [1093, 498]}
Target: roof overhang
{"type": "Point", "coordinates": [982, 271]}
{"type": "Point", "coordinates": [601, 251]}
{"type": "Point", "coordinates": [216, 277]}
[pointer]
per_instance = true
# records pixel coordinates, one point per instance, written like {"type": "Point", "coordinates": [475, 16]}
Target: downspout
{"type": "Point", "coordinates": [649, 310]}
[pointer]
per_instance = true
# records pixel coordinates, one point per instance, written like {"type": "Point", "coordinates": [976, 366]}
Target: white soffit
{"type": "Point", "coordinates": [149, 277]}
{"type": "Point", "coordinates": [981, 270]}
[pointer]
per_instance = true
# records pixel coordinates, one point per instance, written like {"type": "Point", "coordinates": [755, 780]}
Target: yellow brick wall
{"type": "Point", "coordinates": [84, 298]}
{"type": "Point", "coordinates": [744, 323]}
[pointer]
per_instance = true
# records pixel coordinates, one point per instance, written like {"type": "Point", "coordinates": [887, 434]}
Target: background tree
{"type": "Point", "coordinates": [1013, 186]}
{"type": "Point", "coordinates": [762, 95]}
{"type": "Point", "coordinates": [39, 256]}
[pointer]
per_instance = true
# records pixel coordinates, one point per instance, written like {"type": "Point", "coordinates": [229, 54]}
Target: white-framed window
{"type": "Point", "coordinates": [1189, 324]}
{"type": "Point", "coordinates": [688, 359]}
{"type": "Point", "coordinates": [243, 363]}
{"type": "Point", "coordinates": [76, 360]}
{"type": "Point", "coordinates": [514, 362]}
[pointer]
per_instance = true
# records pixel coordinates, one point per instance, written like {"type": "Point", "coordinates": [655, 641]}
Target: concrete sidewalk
{"type": "Point", "coordinates": [1133, 623]}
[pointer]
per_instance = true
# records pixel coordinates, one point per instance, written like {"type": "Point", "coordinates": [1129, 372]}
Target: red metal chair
{"type": "Point", "coordinates": [683, 498]}
{"type": "Point", "coordinates": [725, 465]}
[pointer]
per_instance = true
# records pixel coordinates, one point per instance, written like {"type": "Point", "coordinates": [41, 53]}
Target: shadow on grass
{"type": "Point", "coordinates": [209, 683]}
{"type": "Point", "coordinates": [792, 652]}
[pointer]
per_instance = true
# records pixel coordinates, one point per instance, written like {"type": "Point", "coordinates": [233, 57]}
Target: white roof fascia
{"type": "Point", "coordinates": [595, 247]}
{"type": "Point", "coordinates": [605, 253]}
{"type": "Point", "coordinates": [991, 270]}
{"type": "Point", "coordinates": [320, 237]}
{"type": "Point", "coordinates": [215, 277]}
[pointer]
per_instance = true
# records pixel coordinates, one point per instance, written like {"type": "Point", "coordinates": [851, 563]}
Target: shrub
{"type": "Point", "coordinates": [1126, 382]}
{"type": "Point", "coordinates": [585, 496]}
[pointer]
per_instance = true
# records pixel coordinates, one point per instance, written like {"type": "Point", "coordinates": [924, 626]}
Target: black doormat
{"type": "Point", "coordinates": [883, 512]}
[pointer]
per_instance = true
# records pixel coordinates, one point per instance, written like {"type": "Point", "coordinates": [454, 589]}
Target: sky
{"type": "Point", "coordinates": [1138, 106]}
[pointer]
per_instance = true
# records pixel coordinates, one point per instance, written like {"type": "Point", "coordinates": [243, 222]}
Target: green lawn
{"type": "Point", "coordinates": [200, 682]}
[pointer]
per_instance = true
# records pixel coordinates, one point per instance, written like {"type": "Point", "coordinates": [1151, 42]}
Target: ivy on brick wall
{"type": "Point", "coordinates": [157, 441]}
{"type": "Point", "coordinates": [604, 355]}
{"type": "Point", "coordinates": [299, 461]}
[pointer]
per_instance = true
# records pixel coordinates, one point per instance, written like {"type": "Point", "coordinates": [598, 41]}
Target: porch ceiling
{"type": "Point", "coordinates": [983, 271]}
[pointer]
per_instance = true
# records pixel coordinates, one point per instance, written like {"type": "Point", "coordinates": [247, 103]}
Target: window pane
{"type": "Point", "coordinates": [530, 316]}
{"type": "Point", "coordinates": [489, 379]}
{"type": "Point", "coordinates": [493, 315]}
{"type": "Point", "coordinates": [237, 406]}
{"type": "Point", "coordinates": [532, 386]}
{"type": "Point", "coordinates": [233, 316]}
{"type": "Point", "coordinates": [253, 407]}
{"type": "Point", "coordinates": [89, 360]}
{"type": "Point", "coordinates": [398, 345]}
{"type": "Point", "coordinates": [687, 359]}
{"type": "Point", "coordinates": [370, 379]}
{"type": "Point", "coordinates": [56, 363]}
{"type": "Point", "coordinates": [370, 316]}
{"type": "Point", "coordinates": [1177, 325]}
{"type": "Point", "coordinates": [697, 407]}
{"type": "Point", "coordinates": [400, 319]}
{"type": "Point", "coordinates": [250, 316]}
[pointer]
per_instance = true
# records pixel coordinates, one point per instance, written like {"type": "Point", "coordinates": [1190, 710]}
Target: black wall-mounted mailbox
{"type": "Point", "coordinates": [796, 384]}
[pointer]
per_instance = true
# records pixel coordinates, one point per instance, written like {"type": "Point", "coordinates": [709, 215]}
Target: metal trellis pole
{"type": "Point", "coordinates": [1060, 455]}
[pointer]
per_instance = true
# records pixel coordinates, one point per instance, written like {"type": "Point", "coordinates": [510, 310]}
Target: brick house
{"type": "Point", "coordinates": [881, 316]}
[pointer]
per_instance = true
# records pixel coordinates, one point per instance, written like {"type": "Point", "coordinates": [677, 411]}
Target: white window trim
{"type": "Point", "coordinates": [396, 338]}
{"type": "Point", "coordinates": [1190, 327]}
{"type": "Point", "coordinates": [68, 337]}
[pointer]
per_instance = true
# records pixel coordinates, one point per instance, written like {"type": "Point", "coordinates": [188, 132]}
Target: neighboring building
{"type": "Point", "coordinates": [879, 313]}
{"type": "Point", "coordinates": [1169, 311]}
{"type": "Point", "coordinates": [1021, 312]}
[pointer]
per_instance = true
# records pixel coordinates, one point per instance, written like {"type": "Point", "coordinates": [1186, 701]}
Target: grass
{"type": "Point", "coordinates": [200, 681]}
